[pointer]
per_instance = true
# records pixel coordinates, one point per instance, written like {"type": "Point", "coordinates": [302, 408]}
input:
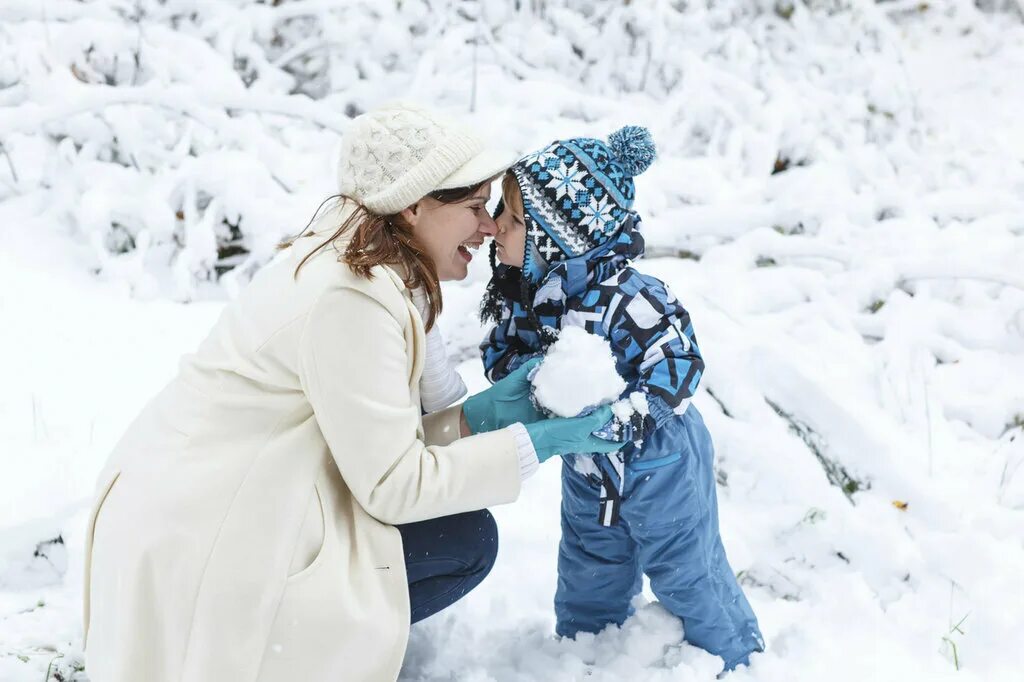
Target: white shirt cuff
{"type": "Point", "coordinates": [528, 462]}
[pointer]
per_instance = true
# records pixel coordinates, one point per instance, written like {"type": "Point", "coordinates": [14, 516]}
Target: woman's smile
{"type": "Point", "coordinates": [468, 248]}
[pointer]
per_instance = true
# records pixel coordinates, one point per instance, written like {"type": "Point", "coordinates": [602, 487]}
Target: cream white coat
{"type": "Point", "coordinates": [243, 527]}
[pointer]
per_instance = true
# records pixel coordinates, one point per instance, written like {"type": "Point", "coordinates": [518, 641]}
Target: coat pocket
{"type": "Point", "coordinates": [90, 533]}
{"type": "Point", "coordinates": [309, 550]}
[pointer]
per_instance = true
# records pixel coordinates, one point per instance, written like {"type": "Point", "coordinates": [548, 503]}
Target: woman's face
{"type": "Point", "coordinates": [511, 237]}
{"type": "Point", "coordinates": [450, 233]}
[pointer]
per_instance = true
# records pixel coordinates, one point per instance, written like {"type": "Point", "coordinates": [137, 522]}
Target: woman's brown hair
{"type": "Point", "coordinates": [388, 240]}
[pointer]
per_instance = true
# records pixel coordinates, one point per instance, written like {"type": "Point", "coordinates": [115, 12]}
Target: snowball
{"type": "Point", "coordinates": [577, 372]}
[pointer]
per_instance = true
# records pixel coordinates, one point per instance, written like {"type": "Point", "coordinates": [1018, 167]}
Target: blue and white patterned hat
{"type": "Point", "coordinates": [577, 193]}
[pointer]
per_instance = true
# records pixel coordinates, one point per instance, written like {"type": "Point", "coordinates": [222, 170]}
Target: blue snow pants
{"type": "Point", "coordinates": [668, 530]}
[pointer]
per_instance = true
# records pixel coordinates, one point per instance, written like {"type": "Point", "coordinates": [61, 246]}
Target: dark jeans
{"type": "Point", "coordinates": [447, 557]}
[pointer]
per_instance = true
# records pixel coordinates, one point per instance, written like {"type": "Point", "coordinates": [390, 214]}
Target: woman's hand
{"type": "Point", "coordinates": [506, 402]}
{"type": "Point", "coordinates": [559, 436]}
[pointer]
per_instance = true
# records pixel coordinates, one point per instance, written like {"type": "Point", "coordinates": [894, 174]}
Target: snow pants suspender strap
{"type": "Point", "coordinates": [610, 501]}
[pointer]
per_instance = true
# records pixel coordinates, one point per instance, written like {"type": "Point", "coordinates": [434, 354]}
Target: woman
{"type": "Point", "coordinates": [245, 526]}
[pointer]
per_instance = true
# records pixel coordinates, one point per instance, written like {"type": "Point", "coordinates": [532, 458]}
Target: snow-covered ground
{"type": "Point", "coordinates": [861, 310]}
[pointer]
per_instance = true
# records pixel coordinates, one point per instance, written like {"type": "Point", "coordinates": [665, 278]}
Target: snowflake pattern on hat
{"type": "Point", "coordinates": [578, 192]}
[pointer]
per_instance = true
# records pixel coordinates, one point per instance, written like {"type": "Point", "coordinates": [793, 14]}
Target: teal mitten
{"type": "Point", "coordinates": [559, 436]}
{"type": "Point", "coordinates": [506, 402]}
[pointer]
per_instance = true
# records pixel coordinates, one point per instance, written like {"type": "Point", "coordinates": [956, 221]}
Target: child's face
{"type": "Point", "coordinates": [511, 237]}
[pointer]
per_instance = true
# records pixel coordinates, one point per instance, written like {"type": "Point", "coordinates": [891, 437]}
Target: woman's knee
{"type": "Point", "coordinates": [472, 536]}
{"type": "Point", "coordinates": [482, 534]}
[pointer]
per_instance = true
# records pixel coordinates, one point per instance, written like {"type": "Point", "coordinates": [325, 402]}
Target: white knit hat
{"type": "Point", "coordinates": [393, 156]}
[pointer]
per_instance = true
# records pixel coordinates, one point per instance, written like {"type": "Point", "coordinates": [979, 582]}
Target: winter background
{"type": "Point", "coordinates": [839, 202]}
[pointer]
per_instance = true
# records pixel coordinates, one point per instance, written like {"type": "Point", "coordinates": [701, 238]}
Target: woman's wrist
{"type": "Point", "coordinates": [527, 454]}
{"type": "Point", "coordinates": [528, 461]}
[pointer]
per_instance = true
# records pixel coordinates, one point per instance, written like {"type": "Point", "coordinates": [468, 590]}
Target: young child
{"type": "Point", "coordinates": [566, 235]}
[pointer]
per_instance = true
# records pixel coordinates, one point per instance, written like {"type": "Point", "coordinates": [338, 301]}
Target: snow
{"type": "Point", "coordinates": [634, 403]}
{"type": "Point", "coordinates": [860, 311]}
{"type": "Point", "coordinates": [578, 372]}
{"type": "Point", "coordinates": [623, 410]}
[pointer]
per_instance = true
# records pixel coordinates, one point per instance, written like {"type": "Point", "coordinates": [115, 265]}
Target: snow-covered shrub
{"type": "Point", "coordinates": [181, 140]}
{"type": "Point", "coordinates": [839, 190]}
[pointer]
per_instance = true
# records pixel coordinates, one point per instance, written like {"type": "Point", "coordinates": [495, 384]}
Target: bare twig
{"type": "Point", "coordinates": [10, 163]}
{"type": "Point", "coordinates": [31, 116]}
{"type": "Point", "coordinates": [835, 472]}
{"type": "Point", "coordinates": [301, 50]}
{"type": "Point", "coordinates": [980, 274]}
{"type": "Point", "coordinates": [476, 42]}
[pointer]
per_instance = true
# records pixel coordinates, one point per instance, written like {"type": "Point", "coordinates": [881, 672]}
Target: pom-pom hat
{"type": "Point", "coordinates": [577, 193]}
